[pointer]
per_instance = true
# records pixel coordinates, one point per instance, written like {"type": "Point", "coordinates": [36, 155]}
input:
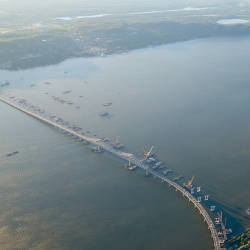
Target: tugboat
{"type": "Point", "coordinates": [132, 168]}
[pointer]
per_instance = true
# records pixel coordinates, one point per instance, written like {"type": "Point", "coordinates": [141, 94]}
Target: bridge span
{"type": "Point", "coordinates": [128, 157]}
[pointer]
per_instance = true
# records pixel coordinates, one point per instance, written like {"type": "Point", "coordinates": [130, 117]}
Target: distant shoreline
{"type": "Point", "coordinates": [51, 48]}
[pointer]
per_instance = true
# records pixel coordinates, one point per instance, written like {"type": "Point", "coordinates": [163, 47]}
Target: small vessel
{"type": "Point", "coordinates": [248, 211]}
{"type": "Point", "coordinates": [131, 168]}
{"type": "Point", "coordinates": [105, 139]}
{"type": "Point", "coordinates": [97, 149]}
{"type": "Point", "coordinates": [66, 92]}
{"type": "Point", "coordinates": [212, 208]}
{"type": "Point", "coordinates": [107, 104]}
{"type": "Point", "coordinates": [198, 189]}
{"type": "Point", "coordinates": [217, 220]}
{"type": "Point", "coordinates": [103, 114]}
{"type": "Point", "coordinates": [11, 154]}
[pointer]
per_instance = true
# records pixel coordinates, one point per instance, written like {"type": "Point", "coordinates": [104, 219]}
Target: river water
{"type": "Point", "coordinates": [191, 100]}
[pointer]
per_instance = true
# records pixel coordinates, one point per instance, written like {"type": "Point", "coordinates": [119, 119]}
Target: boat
{"type": "Point", "coordinates": [248, 211]}
{"type": "Point", "coordinates": [131, 168]}
{"type": "Point", "coordinates": [11, 154]}
{"type": "Point", "coordinates": [212, 208]}
{"type": "Point", "coordinates": [66, 92]}
{"type": "Point", "coordinates": [97, 149]}
{"type": "Point", "coordinates": [217, 220]}
{"type": "Point", "coordinates": [107, 104]}
{"type": "Point", "coordinates": [103, 114]}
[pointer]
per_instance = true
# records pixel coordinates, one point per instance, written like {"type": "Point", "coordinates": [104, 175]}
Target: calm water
{"type": "Point", "coordinates": [191, 100]}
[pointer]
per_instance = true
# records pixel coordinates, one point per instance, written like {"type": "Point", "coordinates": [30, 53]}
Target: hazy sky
{"type": "Point", "coordinates": [9, 9]}
{"type": "Point", "coordinates": [11, 5]}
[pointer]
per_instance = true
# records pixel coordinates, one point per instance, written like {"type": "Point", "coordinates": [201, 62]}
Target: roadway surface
{"type": "Point", "coordinates": [128, 157]}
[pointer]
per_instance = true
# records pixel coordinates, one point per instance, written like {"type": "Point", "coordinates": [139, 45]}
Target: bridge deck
{"type": "Point", "coordinates": [132, 159]}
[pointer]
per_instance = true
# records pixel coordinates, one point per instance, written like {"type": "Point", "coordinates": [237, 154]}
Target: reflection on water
{"type": "Point", "coordinates": [189, 99]}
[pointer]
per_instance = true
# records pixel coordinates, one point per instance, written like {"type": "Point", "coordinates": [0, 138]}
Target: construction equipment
{"type": "Point", "coordinates": [149, 153]}
{"type": "Point", "coordinates": [189, 184]}
{"type": "Point", "coordinates": [117, 144]}
{"type": "Point", "coordinates": [212, 208]}
{"type": "Point", "coordinates": [167, 171]}
{"type": "Point", "coordinates": [97, 149]}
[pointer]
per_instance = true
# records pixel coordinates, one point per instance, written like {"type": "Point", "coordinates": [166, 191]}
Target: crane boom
{"type": "Point", "coordinates": [147, 154]}
{"type": "Point", "coordinates": [190, 183]}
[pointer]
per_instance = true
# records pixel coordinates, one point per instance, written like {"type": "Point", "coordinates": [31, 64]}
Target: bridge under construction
{"type": "Point", "coordinates": [105, 145]}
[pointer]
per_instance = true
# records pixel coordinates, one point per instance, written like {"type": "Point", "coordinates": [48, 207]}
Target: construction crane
{"type": "Point", "coordinates": [117, 144]}
{"type": "Point", "coordinates": [149, 153]}
{"type": "Point", "coordinates": [189, 184]}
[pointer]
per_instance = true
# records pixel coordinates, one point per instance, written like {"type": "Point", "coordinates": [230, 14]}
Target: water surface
{"type": "Point", "coordinates": [190, 100]}
{"type": "Point", "coordinates": [232, 21]}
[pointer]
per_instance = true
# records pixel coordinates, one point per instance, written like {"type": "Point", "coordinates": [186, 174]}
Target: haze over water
{"type": "Point", "coordinates": [190, 100]}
